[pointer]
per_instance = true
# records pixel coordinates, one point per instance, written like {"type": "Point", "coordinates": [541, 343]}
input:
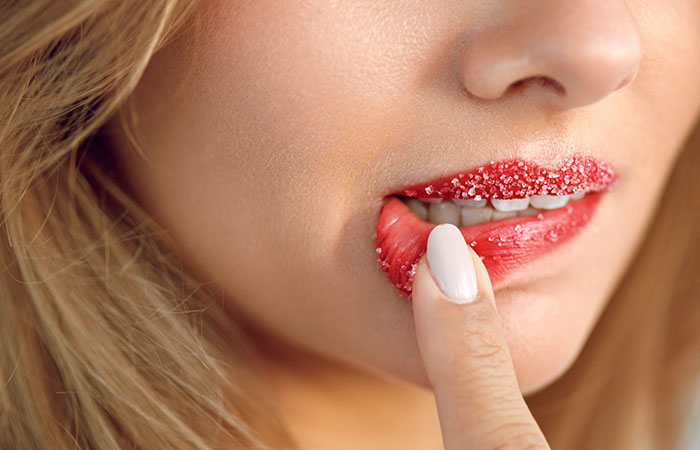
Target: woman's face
{"type": "Point", "coordinates": [274, 131]}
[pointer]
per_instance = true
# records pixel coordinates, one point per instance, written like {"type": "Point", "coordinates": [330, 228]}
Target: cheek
{"type": "Point", "coordinates": [310, 92]}
{"type": "Point", "coordinates": [668, 85]}
{"type": "Point", "coordinates": [263, 124]}
{"type": "Point", "coordinates": [284, 92]}
{"type": "Point", "coordinates": [288, 117]}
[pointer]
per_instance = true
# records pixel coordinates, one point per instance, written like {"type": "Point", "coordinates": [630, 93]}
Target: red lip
{"type": "Point", "coordinates": [506, 244]}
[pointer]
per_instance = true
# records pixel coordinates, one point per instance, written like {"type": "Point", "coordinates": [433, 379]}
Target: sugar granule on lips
{"type": "Point", "coordinates": [514, 178]}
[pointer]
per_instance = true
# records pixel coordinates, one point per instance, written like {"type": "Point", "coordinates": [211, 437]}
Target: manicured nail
{"type": "Point", "coordinates": [451, 264]}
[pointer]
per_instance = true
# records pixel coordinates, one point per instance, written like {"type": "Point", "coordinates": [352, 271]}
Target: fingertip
{"type": "Point", "coordinates": [483, 279]}
{"type": "Point", "coordinates": [451, 264]}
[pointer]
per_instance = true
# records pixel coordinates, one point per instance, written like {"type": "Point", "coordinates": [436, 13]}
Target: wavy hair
{"type": "Point", "coordinates": [102, 342]}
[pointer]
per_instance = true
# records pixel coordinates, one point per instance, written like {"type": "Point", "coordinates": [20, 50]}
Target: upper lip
{"type": "Point", "coordinates": [518, 178]}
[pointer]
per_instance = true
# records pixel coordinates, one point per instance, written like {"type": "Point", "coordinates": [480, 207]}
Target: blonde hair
{"type": "Point", "coordinates": [106, 342]}
{"type": "Point", "coordinates": [102, 341]}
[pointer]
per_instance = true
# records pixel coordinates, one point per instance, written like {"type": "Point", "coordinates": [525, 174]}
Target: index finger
{"type": "Point", "coordinates": [464, 350]}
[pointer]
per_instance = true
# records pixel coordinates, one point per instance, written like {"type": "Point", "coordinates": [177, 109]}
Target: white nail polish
{"type": "Point", "coordinates": [451, 264]}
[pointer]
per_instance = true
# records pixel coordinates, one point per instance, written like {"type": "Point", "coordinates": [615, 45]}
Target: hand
{"type": "Point", "coordinates": [464, 350]}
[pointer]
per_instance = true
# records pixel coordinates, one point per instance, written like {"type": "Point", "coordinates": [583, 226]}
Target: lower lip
{"type": "Point", "coordinates": [504, 245]}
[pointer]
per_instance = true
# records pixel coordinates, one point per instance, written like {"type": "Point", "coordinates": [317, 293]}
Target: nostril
{"type": "Point", "coordinates": [540, 81]}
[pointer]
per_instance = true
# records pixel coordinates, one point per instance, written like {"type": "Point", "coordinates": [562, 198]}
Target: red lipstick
{"type": "Point", "coordinates": [506, 244]}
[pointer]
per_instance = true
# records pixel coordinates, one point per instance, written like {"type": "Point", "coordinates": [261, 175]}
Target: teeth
{"type": "Point", "coordinates": [515, 204]}
{"type": "Point", "coordinates": [548, 201]}
{"type": "Point", "coordinates": [466, 212]}
{"type": "Point", "coordinates": [444, 212]}
{"type": "Point", "coordinates": [498, 215]}
{"type": "Point", "coordinates": [529, 212]}
{"type": "Point", "coordinates": [418, 208]}
{"type": "Point", "coordinates": [470, 202]}
{"type": "Point", "coordinates": [472, 216]}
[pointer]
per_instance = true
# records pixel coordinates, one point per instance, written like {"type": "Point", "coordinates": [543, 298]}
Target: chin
{"type": "Point", "coordinates": [543, 346]}
{"type": "Point", "coordinates": [544, 341]}
{"type": "Point", "coordinates": [541, 354]}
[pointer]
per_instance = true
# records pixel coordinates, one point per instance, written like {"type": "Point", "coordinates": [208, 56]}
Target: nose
{"type": "Point", "coordinates": [579, 50]}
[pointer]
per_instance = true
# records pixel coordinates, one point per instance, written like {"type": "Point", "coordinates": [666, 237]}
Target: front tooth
{"type": "Point", "coordinates": [529, 212]}
{"type": "Point", "coordinates": [470, 202]}
{"type": "Point", "coordinates": [498, 215]}
{"type": "Point", "coordinates": [514, 204]}
{"type": "Point", "coordinates": [548, 201]}
{"type": "Point", "coordinates": [432, 200]}
{"type": "Point", "coordinates": [472, 216]}
{"type": "Point", "coordinates": [443, 212]}
{"type": "Point", "coordinates": [577, 195]}
{"type": "Point", "coordinates": [418, 208]}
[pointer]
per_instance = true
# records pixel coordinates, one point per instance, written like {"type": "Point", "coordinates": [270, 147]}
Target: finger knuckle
{"type": "Point", "coordinates": [519, 445]}
{"type": "Point", "coordinates": [486, 342]}
{"type": "Point", "coordinates": [517, 435]}
{"type": "Point", "coordinates": [468, 388]}
{"type": "Point", "coordinates": [487, 349]}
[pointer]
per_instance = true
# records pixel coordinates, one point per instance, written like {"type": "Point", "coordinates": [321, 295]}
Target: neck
{"type": "Point", "coordinates": [330, 405]}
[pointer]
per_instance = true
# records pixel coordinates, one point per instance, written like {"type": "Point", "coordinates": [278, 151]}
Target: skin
{"type": "Point", "coordinates": [273, 130]}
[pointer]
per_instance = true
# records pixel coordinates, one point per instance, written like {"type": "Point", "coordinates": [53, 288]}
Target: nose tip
{"type": "Point", "coordinates": [580, 54]}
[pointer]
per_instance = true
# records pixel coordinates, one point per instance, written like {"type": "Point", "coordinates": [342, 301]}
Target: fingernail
{"type": "Point", "coordinates": [451, 264]}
